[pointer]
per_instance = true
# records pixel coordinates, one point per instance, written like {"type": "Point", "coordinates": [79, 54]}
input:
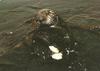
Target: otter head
{"type": "Point", "coordinates": [47, 17]}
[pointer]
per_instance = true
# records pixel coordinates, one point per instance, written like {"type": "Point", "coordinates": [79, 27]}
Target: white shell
{"type": "Point", "coordinates": [57, 56]}
{"type": "Point", "coordinates": [54, 49]}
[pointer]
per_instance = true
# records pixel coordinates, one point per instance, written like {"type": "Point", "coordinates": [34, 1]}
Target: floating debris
{"type": "Point", "coordinates": [79, 63]}
{"type": "Point", "coordinates": [85, 69]}
{"type": "Point", "coordinates": [69, 67]}
{"type": "Point", "coordinates": [42, 52]}
{"type": "Point", "coordinates": [32, 53]}
{"type": "Point", "coordinates": [10, 33]}
{"type": "Point", "coordinates": [44, 57]}
{"type": "Point", "coordinates": [72, 50]}
{"type": "Point", "coordinates": [75, 43]}
{"type": "Point", "coordinates": [38, 54]}
{"type": "Point", "coordinates": [67, 52]}
{"type": "Point", "coordinates": [66, 36]}
{"type": "Point", "coordinates": [34, 41]}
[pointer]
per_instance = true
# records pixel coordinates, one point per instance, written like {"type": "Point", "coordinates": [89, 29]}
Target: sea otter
{"type": "Point", "coordinates": [49, 34]}
{"type": "Point", "coordinates": [48, 30]}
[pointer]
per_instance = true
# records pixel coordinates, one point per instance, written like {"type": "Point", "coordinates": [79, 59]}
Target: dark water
{"type": "Point", "coordinates": [82, 15]}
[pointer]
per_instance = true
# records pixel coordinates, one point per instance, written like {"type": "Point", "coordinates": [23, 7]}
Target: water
{"type": "Point", "coordinates": [82, 15]}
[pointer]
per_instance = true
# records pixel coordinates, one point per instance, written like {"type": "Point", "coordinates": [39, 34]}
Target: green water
{"type": "Point", "coordinates": [13, 14]}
